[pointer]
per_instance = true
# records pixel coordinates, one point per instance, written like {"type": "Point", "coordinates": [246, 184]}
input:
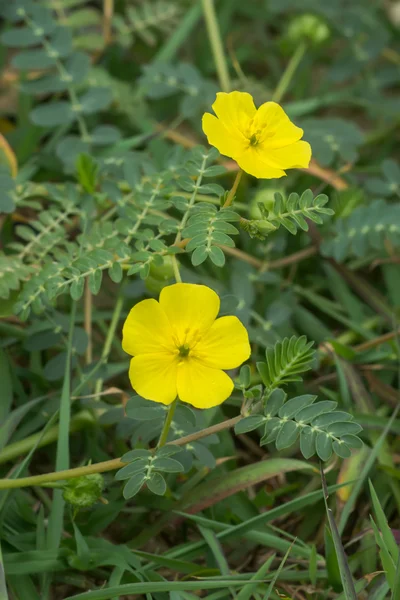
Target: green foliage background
{"type": "Point", "coordinates": [107, 186]}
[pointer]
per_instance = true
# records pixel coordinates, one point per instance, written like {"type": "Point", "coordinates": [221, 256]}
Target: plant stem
{"type": "Point", "coordinates": [88, 321]}
{"type": "Point", "coordinates": [108, 10]}
{"type": "Point", "coordinates": [110, 336]}
{"type": "Point", "coordinates": [232, 192]}
{"type": "Point", "coordinates": [12, 451]}
{"type": "Point", "coordinates": [3, 587]}
{"type": "Point", "coordinates": [214, 35]}
{"type": "Point", "coordinates": [167, 424]}
{"type": "Point", "coordinates": [56, 518]}
{"type": "Point", "coordinates": [175, 266]}
{"type": "Point", "coordinates": [288, 73]}
{"type": "Point", "coordinates": [109, 465]}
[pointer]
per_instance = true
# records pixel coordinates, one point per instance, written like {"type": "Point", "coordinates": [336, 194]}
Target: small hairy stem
{"type": "Point", "coordinates": [214, 35]}
{"type": "Point", "coordinates": [232, 193]}
{"type": "Point", "coordinates": [108, 10]}
{"type": "Point", "coordinates": [110, 336]}
{"type": "Point", "coordinates": [108, 465]}
{"type": "Point", "coordinates": [88, 322]}
{"type": "Point", "coordinates": [175, 267]}
{"type": "Point", "coordinates": [167, 424]}
{"type": "Point", "coordinates": [81, 420]}
{"type": "Point", "coordinates": [289, 72]}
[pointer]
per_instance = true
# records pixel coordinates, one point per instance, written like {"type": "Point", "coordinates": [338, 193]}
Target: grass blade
{"type": "Point", "coordinates": [349, 506]}
{"type": "Point", "coordinates": [345, 574]}
{"type": "Point", "coordinates": [247, 591]}
{"type": "Point", "coordinates": [3, 587]}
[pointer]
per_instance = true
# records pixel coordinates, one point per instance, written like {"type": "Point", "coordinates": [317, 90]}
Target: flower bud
{"type": "Point", "coordinates": [307, 28]}
{"type": "Point", "coordinates": [83, 491]}
{"type": "Point", "coordinates": [165, 271]}
{"type": "Point", "coordinates": [264, 196]}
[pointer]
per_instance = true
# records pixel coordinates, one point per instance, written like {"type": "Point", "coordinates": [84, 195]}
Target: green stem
{"type": "Point", "coordinates": [3, 587]}
{"type": "Point", "coordinates": [109, 465]}
{"type": "Point", "coordinates": [214, 36]}
{"type": "Point", "coordinates": [110, 337]}
{"type": "Point", "coordinates": [56, 518]}
{"type": "Point", "coordinates": [233, 190]}
{"type": "Point", "coordinates": [175, 267]}
{"type": "Point", "coordinates": [167, 424]}
{"type": "Point", "coordinates": [288, 73]}
{"type": "Point", "coordinates": [12, 451]}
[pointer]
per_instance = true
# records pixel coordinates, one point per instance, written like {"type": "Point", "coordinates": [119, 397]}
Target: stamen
{"type": "Point", "coordinates": [184, 350]}
{"type": "Point", "coordinates": [253, 140]}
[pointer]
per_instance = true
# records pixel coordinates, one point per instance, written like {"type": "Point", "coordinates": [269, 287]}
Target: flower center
{"type": "Point", "coordinates": [253, 140]}
{"type": "Point", "coordinates": [184, 350]}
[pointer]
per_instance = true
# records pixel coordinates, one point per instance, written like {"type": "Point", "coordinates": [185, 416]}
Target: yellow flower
{"type": "Point", "coordinates": [179, 347]}
{"type": "Point", "coordinates": [263, 142]}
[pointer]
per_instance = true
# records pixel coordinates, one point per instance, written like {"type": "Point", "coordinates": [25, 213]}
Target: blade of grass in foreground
{"type": "Point", "coordinates": [152, 587]}
{"type": "Point", "coordinates": [396, 588]}
{"type": "Point", "coordinates": [349, 506]}
{"type": "Point", "coordinates": [56, 518]}
{"type": "Point", "coordinates": [345, 574]}
{"type": "Point", "coordinates": [247, 590]}
{"type": "Point", "coordinates": [277, 573]}
{"type": "Point", "coordinates": [3, 588]}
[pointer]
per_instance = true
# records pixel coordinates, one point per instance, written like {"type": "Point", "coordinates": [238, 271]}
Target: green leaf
{"type": "Point", "coordinates": [134, 454]}
{"type": "Point", "coordinates": [286, 361]}
{"type": "Point", "coordinates": [307, 442]}
{"type": "Point", "coordinates": [352, 441]}
{"type": "Point", "coordinates": [19, 37]}
{"type": "Point", "coordinates": [324, 446]}
{"type": "Point", "coordinates": [287, 435]}
{"type": "Point", "coordinates": [144, 410]}
{"type": "Point", "coordinates": [217, 256]}
{"type": "Point", "coordinates": [169, 465]}
{"type": "Point", "coordinates": [53, 114]}
{"type": "Point", "coordinates": [341, 449]}
{"type": "Point", "coordinates": [77, 287]}
{"type": "Point", "coordinates": [307, 414]}
{"type": "Point", "coordinates": [156, 484]}
{"type": "Point", "coordinates": [332, 417]}
{"type": "Point", "coordinates": [339, 429]}
{"type": "Point", "coordinates": [116, 272]}
{"type": "Point", "coordinates": [139, 465]}
{"type": "Point", "coordinates": [95, 100]}
{"type": "Point", "coordinates": [94, 281]}
{"type": "Point", "coordinates": [249, 423]}
{"type": "Point", "coordinates": [132, 487]}
{"type": "Point", "coordinates": [293, 211]}
{"type": "Point", "coordinates": [28, 60]}
{"type": "Point", "coordinates": [294, 405]}
{"type": "Point", "coordinates": [274, 402]}
{"type": "Point", "coordinates": [199, 255]}
{"type": "Point", "coordinates": [168, 450]}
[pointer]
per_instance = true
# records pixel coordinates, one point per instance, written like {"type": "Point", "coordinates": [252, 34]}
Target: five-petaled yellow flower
{"type": "Point", "coordinates": [263, 142]}
{"type": "Point", "coordinates": [179, 347]}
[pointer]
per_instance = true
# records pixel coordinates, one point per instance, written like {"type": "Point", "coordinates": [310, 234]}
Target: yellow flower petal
{"type": "Point", "coordinates": [235, 110]}
{"type": "Point", "coordinates": [252, 162]}
{"type": "Point", "coordinates": [191, 310]}
{"type": "Point", "coordinates": [276, 129]}
{"type": "Point", "coordinates": [201, 386]}
{"type": "Point", "coordinates": [225, 345]}
{"type": "Point", "coordinates": [292, 156]}
{"type": "Point", "coordinates": [154, 376]}
{"type": "Point", "coordinates": [147, 329]}
{"type": "Point", "coordinates": [222, 138]}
